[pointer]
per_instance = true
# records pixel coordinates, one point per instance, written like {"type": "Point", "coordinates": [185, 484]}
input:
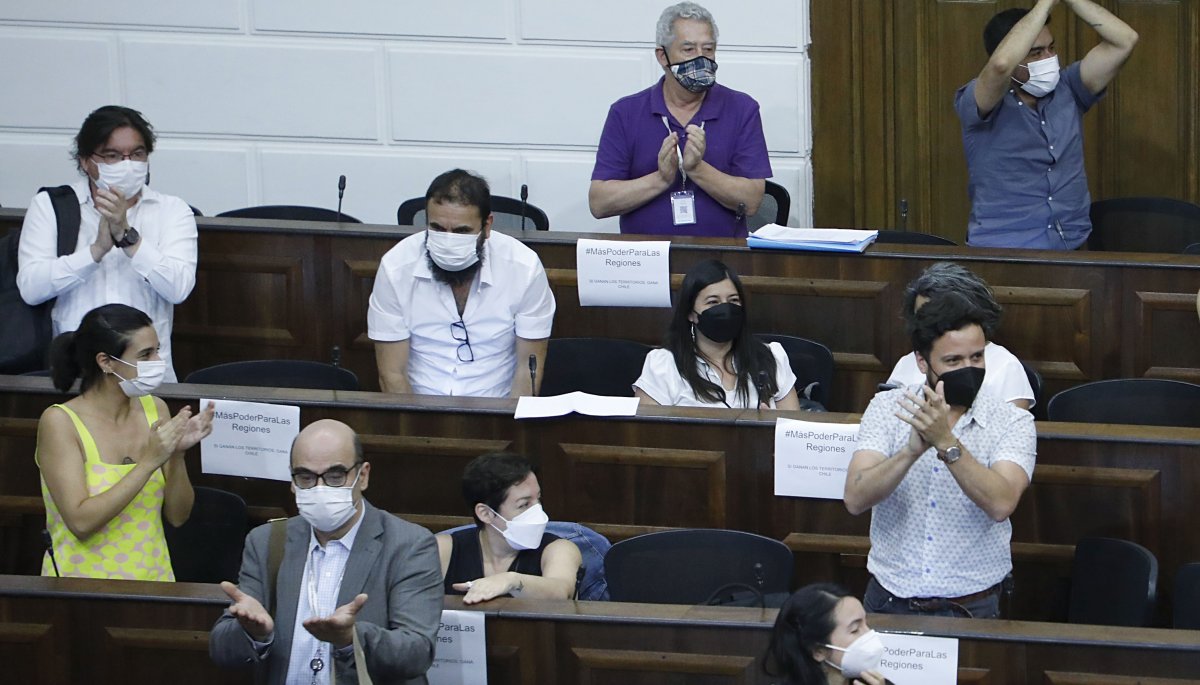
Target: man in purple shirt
{"type": "Point", "coordinates": [1022, 128]}
{"type": "Point", "coordinates": [685, 156]}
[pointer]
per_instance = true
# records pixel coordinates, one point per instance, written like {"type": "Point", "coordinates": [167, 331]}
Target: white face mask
{"type": "Point", "coordinates": [526, 529]}
{"type": "Point", "coordinates": [1043, 77]}
{"type": "Point", "coordinates": [326, 509]}
{"type": "Point", "coordinates": [150, 375]}
{"type": "Point", "coordinates": [127, 176]}
{"type": "Point", "coordinates": [864, 654]}
{"type": "Point", "coordinates": [452, 251]}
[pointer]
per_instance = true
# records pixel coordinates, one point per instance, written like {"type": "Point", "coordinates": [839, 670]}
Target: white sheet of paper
{"type": "Point", "coordinates": [614, 273]}
{"type": "Point", "coordinates": [250, 439]}
{"type": "Point", "coordinates": [461, 651]}
{"type": "Point", "coordinates": [811, 458]}
{"type": "Point", "coordinates": [919, 659]}
{"type": "Point", "coordinates": [828, 235]}
{"type": "Point", "coordinates": [580, 402]}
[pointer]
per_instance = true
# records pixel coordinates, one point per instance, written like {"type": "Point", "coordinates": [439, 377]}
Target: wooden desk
{"type": "Point", "coordinates": [72, 631]}
{"type": "Point", "coordinates": [673, 467]}
{"type": "Point", "coordinates": [294, 290]}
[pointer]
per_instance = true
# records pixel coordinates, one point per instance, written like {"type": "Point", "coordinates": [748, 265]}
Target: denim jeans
{"type": "Point", "coordinates": [879, 601]}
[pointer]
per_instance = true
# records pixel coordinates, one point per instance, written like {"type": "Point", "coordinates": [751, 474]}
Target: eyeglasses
{"type": "Point", "coordinates": [334, 477]}
{"type": "Point", "coordinates": [114, 157]}
{"type": "Point", "coordinates": [458, 331]}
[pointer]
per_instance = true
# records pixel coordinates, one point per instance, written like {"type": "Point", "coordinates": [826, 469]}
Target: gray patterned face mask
{"type": "Point", "coordinates": [697, 74]}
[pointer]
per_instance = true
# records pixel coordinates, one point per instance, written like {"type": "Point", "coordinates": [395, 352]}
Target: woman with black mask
{"type": "Point", "coordinates": [709, 357]}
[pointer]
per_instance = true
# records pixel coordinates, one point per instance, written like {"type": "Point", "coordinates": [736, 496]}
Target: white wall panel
{"type": "Point", "coordinates": [208, 177]}
{"type": "Point", "coordinates": [258, 89]}
{"type": "Point", "coordinates": [30, 164]}
{"type": "Point", "coordinates": [540, 97]}
{"type": "Point", "coordinates": [558, 184]}
{"type": "Point", "coordinates": [209, 14]}
{"type": "Point", "coordinates": [53, 79]}
{"type": "Point", "coordinates": [376, 183]}
{"type": "Point", "coordinates": [472, 19]}
{"type": "Point", "coordinates": [762, 24]}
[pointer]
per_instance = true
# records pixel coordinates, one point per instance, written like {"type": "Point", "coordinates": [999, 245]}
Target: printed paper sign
{"type": "Point", "coordinates": [250, 439]}
{"type": "Point", "coordinates": [614, 273]}
{"type": "Point", "coordinates": [811, 458]}
{"type": "Point", "coordinates": [461, 652]}
{"type": "Point", "coordinates": [919, 659]}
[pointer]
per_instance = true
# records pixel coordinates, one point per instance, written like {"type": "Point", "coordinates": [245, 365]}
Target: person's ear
{"type": "Point", "coordinates": [364, 476]}
{"type": "Point", "coordinates": [660, 53]}
{"type": "Point", "coordinates": [820, 654]}
{"type": "Point", "coordinates": [105, 362]}
{"type": "Point", "coordinates": [487, 226]}
{"type": "Point", "coordinates": [922, 364]}
{"type": "Point", "coordinates": [484, 513]}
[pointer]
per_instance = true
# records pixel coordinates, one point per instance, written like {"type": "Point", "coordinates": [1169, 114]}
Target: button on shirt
{"type": "Point", "coordinates": [1026, 167]}
{"type": "Point", "coordinates": [326, 566]}
{"type": "Point", "coordinates": [734, 144]}
{"type": "Point", "coordinates": [510, 298]}
{"type": "Point", "coordinates": [159, 276]}
{"type": "Point", "coordinates": [661, 380]}
{"type": "Point", "coordinates": [928, 539]}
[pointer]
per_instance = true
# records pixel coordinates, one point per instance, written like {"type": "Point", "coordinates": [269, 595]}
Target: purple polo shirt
{"type": "Point", "coordinates": [634, 133]}
{"type": "Point", "coordinates": [1026, 167]}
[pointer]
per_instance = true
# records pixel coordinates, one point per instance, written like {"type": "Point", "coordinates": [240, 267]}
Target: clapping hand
{"type": "Point", "coordinates": [249, 613]}
{"type": "Point", "coordinates": [163, 439]}
{"type": "Point", "coordinates": [338, 628]}
{"type": "Point", "coordinates": [198, 427]}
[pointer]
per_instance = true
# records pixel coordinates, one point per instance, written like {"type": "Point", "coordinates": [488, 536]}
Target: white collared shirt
{"type": "Point", "coordinates": [158, 277]}
{"type": "Point", "coordinates": [928, 539]}
{"type": "Point", "coordinates": [1004, 376]}
{"type": "Point", "coordinates": [510, 298]}
{"type": "Point", "coordinates": [325, 567]}
{"type": "Point", "coordinates": [661, 380]}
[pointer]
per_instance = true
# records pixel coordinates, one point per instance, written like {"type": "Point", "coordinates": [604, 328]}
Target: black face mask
{"type": "Point", "coordinates": [961, 385]}
{"type": "Point", "coordinates": [722, 323]}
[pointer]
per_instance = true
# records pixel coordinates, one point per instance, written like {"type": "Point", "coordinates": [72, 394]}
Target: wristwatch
{"type": "Point", "coordinates": [130, 238]}
{"type": "Point", "coordinates": [951, 455]}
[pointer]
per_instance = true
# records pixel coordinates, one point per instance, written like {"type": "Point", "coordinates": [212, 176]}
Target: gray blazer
{"type": "Point", "coordinates": [395, 562]}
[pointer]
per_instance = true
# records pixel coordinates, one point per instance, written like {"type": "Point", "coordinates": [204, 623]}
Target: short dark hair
{"type": "Point", "coordinates": [948, 277]}
{"type": "Point", "coordinates": [100, 124]}
{"type": "Point", "coordinates": [106, 329]}
{"type": "Point", "coordinates": [942, 314]}
{"type": "Point", "coordinates": [488, 478]}
{"type": "Point", "coordinates": [803, 625]}
{"type": "Point", "coordinates": [461, 187]}
{"type": "Point", "coordinates": [999, 26]}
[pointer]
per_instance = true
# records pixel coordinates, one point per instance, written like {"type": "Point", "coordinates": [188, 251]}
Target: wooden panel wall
{"type": "Point", "coordinates": [884, 127]}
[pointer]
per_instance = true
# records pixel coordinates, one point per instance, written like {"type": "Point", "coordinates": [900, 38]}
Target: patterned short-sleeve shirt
{"type": "Point", "coordinates": [928, 539]}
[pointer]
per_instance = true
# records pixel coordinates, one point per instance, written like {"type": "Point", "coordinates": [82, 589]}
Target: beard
{"type": "Point", "coordinates": [455, 278]}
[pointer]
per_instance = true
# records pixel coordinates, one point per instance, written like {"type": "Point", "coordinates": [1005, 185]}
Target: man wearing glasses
{"type": "Point", "coordinates": [346, 568]}
{"type": "Point", "coordinates": [135, 247]}
{"type": "Point", "coordinates": [458, 309]}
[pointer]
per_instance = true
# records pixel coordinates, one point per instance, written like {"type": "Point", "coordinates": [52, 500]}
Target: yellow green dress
{"type": "Point", "coordinates": [132, 545]}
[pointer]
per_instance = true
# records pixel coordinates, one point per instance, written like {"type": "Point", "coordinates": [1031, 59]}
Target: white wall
{"type": "Point", "coordinates": [268, 101]}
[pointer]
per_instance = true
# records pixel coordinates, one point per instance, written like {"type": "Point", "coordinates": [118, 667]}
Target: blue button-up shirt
{"type": "Point", "coordinates": [1027, 184]}
{"type": "Point", "coordinates": [928, 539]}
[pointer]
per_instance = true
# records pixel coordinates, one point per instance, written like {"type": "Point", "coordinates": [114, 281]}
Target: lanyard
{"type": "Point", "coordinates": [679, 152]}
{"type": "Point", "coordinates": [317, 663]}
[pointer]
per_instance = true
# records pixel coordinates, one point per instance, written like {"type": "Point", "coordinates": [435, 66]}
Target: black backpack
{"type": "Point", "coordinates": [26, 330]}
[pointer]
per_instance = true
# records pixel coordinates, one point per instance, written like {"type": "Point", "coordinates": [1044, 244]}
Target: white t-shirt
{"type": "Point", "coordinates": [662, 382]}
{"type": "Point", "coordinates": [1004, 377]}
{"type": "Point", "coordinates": [510, 298]}
{"type": "Point", "coordinates": [157, 277]}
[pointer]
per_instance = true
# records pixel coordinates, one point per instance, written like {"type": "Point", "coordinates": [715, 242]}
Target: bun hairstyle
{"type": "Point", "coordinates": [804, 624]}
{"type": "Point", "coordinates": [106, 329]}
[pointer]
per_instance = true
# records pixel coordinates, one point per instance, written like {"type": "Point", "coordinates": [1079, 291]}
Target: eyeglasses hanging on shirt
{"type": "Point", "coordinates": [683, 202]}
{"type": "Point", "coordinates": [458, 331]}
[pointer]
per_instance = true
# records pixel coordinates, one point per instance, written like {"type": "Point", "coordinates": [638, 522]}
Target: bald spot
{"type": "Point", "coordinates": [322, 444]}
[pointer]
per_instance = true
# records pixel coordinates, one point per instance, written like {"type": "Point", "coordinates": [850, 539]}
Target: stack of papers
{"type": "Point", "coordinates": [776, 237]}
{"type": "Point", "coordinates": [581, 402]}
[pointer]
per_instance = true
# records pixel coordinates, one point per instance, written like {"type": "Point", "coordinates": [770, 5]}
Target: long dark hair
{"type": "Point", "coordinates": [750, 356]}
{"type": "Point", "coordinates": [804, 624]}
{"type": "Point", "coordinates": [106, 329]}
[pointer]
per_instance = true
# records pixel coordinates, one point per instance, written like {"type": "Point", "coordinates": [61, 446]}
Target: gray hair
{"type": "Point", "coordinates": [946, 277]}
{"type": "Point", "coordinates": [665, 33]}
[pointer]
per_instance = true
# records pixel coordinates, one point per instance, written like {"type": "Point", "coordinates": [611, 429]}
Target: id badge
{"type": "Point", "coordinates": [683, 207]}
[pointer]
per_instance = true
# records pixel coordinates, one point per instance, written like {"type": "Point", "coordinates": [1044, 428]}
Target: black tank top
{"type": "Point", "coordinates": [466, 559]}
